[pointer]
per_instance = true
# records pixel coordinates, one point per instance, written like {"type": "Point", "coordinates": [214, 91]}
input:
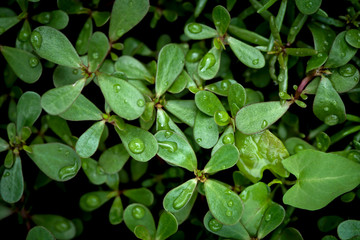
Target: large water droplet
{"type": "Point", "coordinates": [182, 199]}
{"type": "Point", "coordinates": [140, 103]}
{"type": "Point", "coordinates": [194, 55]}
{"type": "Point", "coordinates": [222, 117]}
{"type": "Point", "coordinates": [207, 62]}
{"type": "Point", "coordinates": [264, 124]}
{"type": "Point", "coordinates": [331, 120]}
{"type": "Point", "coordinates": [228, 213]}
{"type": "Point", "coordinates": [255, 61]}
{"type": "Point", "coordinates": [23, 36]}
{"type": "Point", "coordinates": [33, 62]}
{"type": "Point", "coordinates": [347, 70]}
{"type": "Point", "coordinates": [194, 28]}
{"type": "Point", "coordinates": [62, 226]}
{"type": "Point", "coordinates": [298, 148]}
{"type": "Point", "coordinates": [225, 84]}
{"type": "Point", "coordinates": [136, 146]}
{"type": "Point", "coordinates": [92, 200]}
{"type": "Point", "coordinates": [138, 212]}
{"type": "Point", "coordinates": [169, 146]}
{"type": "Point", "coordinates": [117, 88]}
{"type": "Point", "coordinates": [215, 225]}
{"type": "Point", "coordinates": [244, 195]}
{"type": "Point", "coordinates": [68, 171]}
{"type": "Point", "coordinates": [36, 39]}
{"type": "Point", "coordinates": [228, 139]}
{"type": "Point", "coordinates": [168, 134]}
{"type": "Point", "coordinates": [230, 203]}
{"type": "Point", "coordinates": [268, 217]}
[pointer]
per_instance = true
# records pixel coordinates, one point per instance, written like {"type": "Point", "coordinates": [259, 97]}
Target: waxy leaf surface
{"type": "Point", "coordinates": [12, 182]}
{"type": "Point", "coordinates": [82, 110]}
{"type": "Point", "coordinates": [88, 142]}
{"type": "Point", "coordinates": [97, 50]}
{"type": "Point", "coordinates": [205, 131]}
{"type": "Point", "coordinates": [28, 110]}
{"type": "Point", "coordinates": [133, 69]}
{"type": "Point", "coordinates": [225, 157]}
{"type": "Point", "coordinates": [137, 214]}
{"type": "Point", "coordinates": [198, 31]}
{"type": "Point", "coordinates": [114, 158]}
{"type": "Point", "coordinates": [60, 227]}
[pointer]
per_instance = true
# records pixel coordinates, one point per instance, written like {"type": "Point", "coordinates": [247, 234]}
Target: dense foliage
{"type": "Point", "coordinates": [157, 120]}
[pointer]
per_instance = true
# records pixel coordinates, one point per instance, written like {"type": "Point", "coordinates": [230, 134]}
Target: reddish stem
{"type": "Point", "coordinates": [303, 84]}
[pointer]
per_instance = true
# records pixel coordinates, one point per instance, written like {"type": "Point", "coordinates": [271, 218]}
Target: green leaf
{"type": "Point", "coordinates": [225, 157]}
{"type": "Point", "coordinates": [259, 152]}
{"type": "Point", "coordinates": [171, 62]}
{"type": "Point", "coordinates": [133, 69]}
{"type": "Point", "coordinates": [58, 161]}
{"type": "Point", "coordinates": [349, 229]}
{"type": "Point", "coordinates": [28, 110]}
{"type": "Point", "coordinates": [340, 53]}
{"type": "Point", "coordinates": [295, 145]}
{"type": "Point", "coordinates": [167, 226]}
{"type": "Point", "coordinates": [82, 110]}
{"type": "Point", "coordinates": [24, 64]}
{"type": "Point", "coordinates": [12, 182]}
{"type": "Point", "coordinates": [140, 144]}
{"type": "Point", "coordinates": [88, 142]}
{"type": "Point", "coordinates": [58, 100]}
{"type": "Point", "coordinates": [92, 170]}
{"type": "Point", "coordinates": [180, 82]}
{"type": "Point", "coordinates": [140, 195]}
{"type": "Point", "coordinates": [352, 37]}
{"type": "Point", "coordinates": [247, 54]}
{"type": "Point", "coordinates": [60, 127]}
{"type": "Point", "coordinates": [125, 15]}
{"type": "Point", "coordinates": [309, 6]}
{"type": "Point", "coordinates": [185, 110]}
{"type": "Point", "coordinates": [328, 223]}
{"type": "Point", "coordinates": [301, 52]}
{"type": "Point", "coordinates": [344, 78]}
{"type": "Point", "coordinates": [184, 212]}
{"type": "Point", "coordinates": [323, 36]}
{"type": "Point", "coordinates": [113, 159]}
{"type": "Point", "coordinates": [142, 232]}
{"type": "Point", "coordinates": [316, 61]}
{"type": "Point", "coordinates": [224, 204]}
{"type": "Point", "coordinates": [58, 19]}
{"type": "Point", "coordinates": [63, 76]}
{"type": "Point", "coordinates": [116, 212]}
{"type": "Point", "coordinates": [288, 233]}
{"type": "Point", "coordinates": [137, 214]}
{"type": "Point", "coordinates": [177, 199]}
{"type": "Point", "coordinates": [39, 232]}
{"type": "Point", "coordinates": [93, 200]}
{"type": "Point", "coordinates": [322, 141]}
{"type": "Point", "coordinates": [54, 46]}
{"type": "Point", "coordinates": [205, 131]}
{"type": "Point", "coordinates": [209, 65]}
{"type": "Point", "coordinates": [236, 231]}
{"type": "Point", "coordinates": [321, 177]}
{"type": "Point", "coordinates": [124, 99]}
{"type": "Point", "coordinates": [227, 137]}
{"type": "Point", "coordinates": [133, 46]}
{"type": "Point", "coordinates": [208, 103]}
{"type": "Point", "coordinates": [221, 19]}
{"type": "Point", "coordinates": [257, 117]}
{"type": "Point", "coordinates": [220, 87]}
{"type": "Point", "coordinates": [248, 36]}
{"type": "Point", "coordinates": [328, 106]}
{"type": "Point", "coordinates": [198, 31]}
{"type": "Point", "coordinates": [176, 150]}
{"type": "Point", "coordinates": [236, 98]}
{"type": "Point", "coordinates": [273, 217]}
{"type": "Point", "coordinates": [100, 18]}
{"type": "Point", "coordinates": [98, 49]}
{"type": "Point", "coordinates": [82, 41]}
{"type": "Point", "coordinates": [60, 227]}
{"type": "Point", "coordinates": [7, 22]}
{"type": "Point", "coordinates": [3, 145]}
{"type": "Point", "coordinates": [164, 122]}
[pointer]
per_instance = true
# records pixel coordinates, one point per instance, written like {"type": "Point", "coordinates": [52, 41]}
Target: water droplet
{"type": "Point", "coordinates": [100, 170]}
{"type": "Point", "coordinates": [182, 199]}
{"type": "Point", "coordinates": [6, 174]}
{"type": "Point", "coordinates": [228, 213]}
{"type": "Point", "coordinates": [125, 101]}
{"type": "Point", "coordinates": [264, 124]}
{"type": "Point", "coordinates": [136, 145]}
{"type": "Point", "coordinates": [230, 203]}
{"type": "Point", "coordinates": [228, 139]}
{"type": "Point", "coordinates": [67, 153]}
{"type": "Point", "coordinates": [198, 140]}
{"type": "Point", "coordinates": [319, 145]}
{"type": "Point", "coordinates": [95, 55]}
{"type": "Point", "coordinates": [23, 36]}
{"type": "Point", "coordinates": [79, 42]}
{"type": "Point", "coordinates": [225, 84]}
{"type": "Point", "coordinates": [331, 120]}
{"type": "Point", "coordinates": [44, 17]}
{"type": "Point", "coordinates": [36, 39]}
{"type": "Point", "coordinates": [343, 54]}
{"type": "Point", "coordinates": [120, 32]}
{"type": "Point", "coordinates": [138, 212]}
{"type": "Point", "coordinates": [298, 148]}
{"type": "Point", "coordinates": [68, 171]}
{"type": "Point", "coordinates": [268, 217]}
{"type": "Point", "coordinates": [215, 225]}
{"type": "Point", "coordinates": [326, 43]}
{"type": "Point", "coordinates": [347, 70]}
{"type": "Point", "coordinates": [33, 62]}
{"type": "Point", "coordinates": [168, 134]}
{"type": "Point", "coordinates": [92, 200]}
{"type": "Point", "coordinates": [194, 28]}
{"type": "Point", "coordinates": [280, 78]}
{"type": "Point", "coordinates": [222, 118]}
{"type": "Point", "coordinates": [87, 25]}
{"type": "Point", "coordinates": [62, 226]}
{"type": "Point", "coordinates": [140, 103]}
{"type": "Point", "coordinates": [169, 146]}
{"type": "Point", "coordinates": [309, 4]}
{"type": "Point", "coordinates": [326, 109]}
{"type": "Point", "coordinates": [85, 165]}
{"type": "Point", "coordinates": [244, 195]}
{"type": "Point", "coordinates": [320, 55]}
{"type": "Point", "coordinates": [255, 61]}
{"type": "Point", "coordinates": [194, 55]}
{"type": "Point", "coordinates": [207, 62]}
{"type": "Point", "coordinates": [117, 88]}
{"type": "Point", "coordinates": [75, 71]}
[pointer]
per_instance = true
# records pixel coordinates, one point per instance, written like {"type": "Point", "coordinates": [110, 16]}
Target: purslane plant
{"type": "Point", "coordinates": [211, 110]}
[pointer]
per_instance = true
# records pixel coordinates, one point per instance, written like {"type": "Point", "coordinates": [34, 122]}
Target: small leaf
{"type": "Point", "coordinates": [133, 69]}
{"type": "Point", "coordinates": [39, 232]}
{"type": "Point", "coordinates": [208, 103]}
{"type": "Point", "coordinates": [93, 200]}
{"type": "Point", "coordinates": [352, 37]}
{"type": "Point", "coordinates": [225, 157]}
{"type": "Point", "coordinates": [315, 170]}
{"type": "Point", "coordinates": [295, 145]}
{"type": "Point", "coordinates": [224, 204]}
{"type": "Point", "coordinates": [92, 170]}
{"type": "Point", "coordinates": [220, 87]}
{"type": "Point", "coordinates": [236, 98]}
{"type": "Point", "coordinates": [184, 213]}
{"type": "Point", "coordinates": [60, 127]}
{"type": "Point", "coordinates": [124, 99]}
{"type": "Point", "coordinates": [12, 182]}
{"type": "Point", "coordinates": [58, 19]}
{"type": "Point", "coordinates": [273, 217]}
{"type": "Point", "coordinates": [142, 232]}
{"type": "Point", "coordinates": [221, 18]}
{"type": "Point", "coordinates": [209, 65]}
{"type": "Point", "coordinates": [176, 150]}
{"type": "Point", "coordinates": [309, 6]}
{"type": "Point", "coordinates": [205, 131]}
{"type": "Point", "coordinates": [24, 64]}
{"type": "Point", "coordinates": [63, 76]}
{"type": "Point", "coordinates": [167, 226]}
{"type": "Point", "coordinates": [58, 100]}
{"type": "Point", "coordinates": [227, 137]}
{"type": "Point", "coordinates": [349, 229]}
{"type": "Point", "coordinates": [180, 82]}
{"type": "Point", "coordinates": [344, 78]}
{"type": "Point", "coordinates": [100, 18]}
{"type": "Point", "coordinates": [140, 195]}
{"type": "Point", "coordinates": [177, 199]}
{"type": "Point", "coordinates": [164, 122]}
{"type": "Point", "coordinates": [3, 145]}
{"type": "Point", "coordinates": [257, 117]}
{"type": "Point", "coordinates": [198, 31]}
{"type": "Point", "coordinates": [7, 22]}
{"type": "Point", "coordinates": [185, 110]}
{"type": "Point", "coordinates": [139, 143]}
{"type": "Point", "coordinates": [28, 110]}
{"type": "Point", "coordinates": [88, 142]}
{"type": "Point", "coordinates": [316, 61]}
{"type": "Point", "coordinates": [113, 159]}
{"type": "Point", "coordinates": [98, 49]}
{"type": "Point", "coordinates": [328, 106]}
{"type": "Point", "coordinates": [60, 227]}
{"type": "Point", "coordinates": [328, 223]}
{"type": "Point", "coordinates": [82, 110]}
{"type": "Point", "coordinates": [82, 42]}
{"type": "Point", "coordinates": [289, 233]}
{"type": "Point", "coordinates": [322, 141]}
{"type": "Point", "coordinates": [116, 212]}
{"type": "Point", "coordinates": [125, 15]}
{"type": "Point", "coordinates": [137, 214]}
{"type": "Point", "coordinates": [58, 161]}
{"type": "Point", "coordinates": [248, 36]}
{"type": "Point", "coordinates": [171, 62]}
{"type": "Point", "coordinates": [54, 46]}
{"type": "Point", "coordinates": [247, 54]}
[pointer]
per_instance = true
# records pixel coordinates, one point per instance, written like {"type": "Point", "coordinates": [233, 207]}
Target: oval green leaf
{"type": "Point", "coordinates": [236, 98]}
{"type": "Point", "coordinates": [113, 159]}
{"type": "Point", "coordinates": [93, 200]}
{"type": "Point", "coordinates": [205, 130]}
{"type": "Point", "coordinates": [133, 69]}
{"type": "Point", "coordinates": [344, 78]}
{"type": "Point", "coordinates": [58, 20]}
{"type": "Point", "coordinates": [273, 217]}
{"type": "Point", "coordinates": [221, 19]}
{"type": "Point", "coordinates": [28, 110]}
{"type": "Point", "coordinates": [185, 110]}
{"type": "Point", "coordinates": [349, 229]}
{"type": "Point", "coordinates": [140, 195]}
{"type": "Point", "coordinates": [208, 103]}
{"type": "Point", "coordinates": [98, 49]}
{"type": "Point", "coordinates": [323, 36]}
{"type": "Point", "coordinates": [12, 182]}
{"type": "Point", "coordinates": [167, 226]}
{"type": "Point", "coordinates": [209, 65]}
{"type": "Point", "coordinates": [82, 41]}
{"type": "Point", "coordinates": [198, 31]}
{"type": "Point", "coordinates": [60, 227]}
{"type": "Point", "coordinates": [39, 232]}
{"type": "Point", "coordinates": [352, 37]}
{"type": "Point", "coordinates": [137, 214]}
{"type": "Point", "coordinates": [82, 110]}
{"type": "Point", "coordinates": [92, 170]}
{"type": "Point", "coordinates": [225, 157]}
{"type": "Point", "coordinates": [308, 6]}
{"type": "Point", "coordinates": [116, 212]}
{"type": "Point", "coordinates": [88, 142]}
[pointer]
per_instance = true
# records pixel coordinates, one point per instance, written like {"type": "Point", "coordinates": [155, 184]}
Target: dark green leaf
{"type": "Point", "coordinates": [294, 145]}
{"type": "Point", "coordinates": [12, 182]}
{"type": "Point", "coordinates": [198, 31]}
{"type": "Point", "coordinates": [236, 98]}
{"type": "Point", "coordinates": [288, 233]}
{"type": "Point", "coordinates": [167, 226]}
{"type": "Point", "coordinates": [82, 110]}
{"type": "Point", "coordinates": [113, 159]}
{"type": "Point", "coordinates": [116, 212]}
{"type": "Point", "coordinates": [60, 127]}
{"type": "Point", "coordinates": [28, 110]}
{"type": "Point", "coordinates": [39, 232]}
{"type": "Point", "coordinates": [225, 157]}
{"type": "Point", "coordinates": [220, 87]}
{"type": "Point", "coordinates": [93, 200]}
{"type": "Point", "coordinates": [176, 199]}
{"type": "Point", "coordinates": [273, 217]}
{"type": "Point", "coordinates": [60, 227]}
{"type": "Point", "coordinates": [137, 214]}
{"type": "Point", "coordinates": [344, 78]}
{"type": "Point", "coordinates": [7, 22]}
{"type": "Point", "coordinates": [352, 37]}
{"type": "Point", "coordinates": [93, 171]}
{"type": "Point", "coordinates": [340, 53]}
{"type": "Point", "coordinates": [221, 19]}
{"type": "Point", "coordinates": [205, 131]}
{"type": "Point", "coordinates": [133, 69]}
{"type": "Point", "coordinates": [58, 19]}
{"type": "Point", "coordinates": [349, 229]}
{"type": "Point", "coordinates": [208, 103]}
{"type": "Point", "coordinates": [140, 195]}
{"type": "Point", "coordinates": [209, 65]}
{"type": "Point", "coordinates": [100, 18]}
{"type": "Point", "coordinates": [3, 145]}
{"type": "Point", "coordinates": [323, 36]}
{"type": "Point", "coordinates": [82, 41]}
{"type": "Point", "coordinates": [164, 122]}
{"type": "Point", "coordinates": [328, 223]}
{"type": "Point", "coordinates": [63, 76]}
{"type": "Point", "coordinates": [98, 49]}
{"type": "Point", "coordinates": [88, 142]}
{"type": "Point", "coordinates": [180, 83]}
{"type": "Point", "coordinates": [185, 110]}
{"type": "Point", "coordinates": [248, 36]}
{"type": "Point", "coordinates": [308, 6]}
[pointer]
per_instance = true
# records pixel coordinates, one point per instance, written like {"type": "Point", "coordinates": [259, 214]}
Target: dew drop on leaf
{"type": "Point", "coordinates": [117, 88]}
{"type": "Point", "coordinates": [136, 146]}
{"type": "Point", "coordinates": [228, 139]}
{"type": "Point", "coordinates": [309, 4]}
{"type": "Point", "coordinates": [228, 213]}
{"type": "Point", "coordinates": [198, 140]}
{"type": "Point", "coordinates": [194, 28]}
{"type": "Point", "coordinates": [264, 124]}
{"type": "Point", "coordinates": [36, 39]}
{"type": "Point", "coordinates": [347, 70]}
{"type": "Point", "coordinates": [75, 71]}
{"type": "Point", "coordinates": [92, 200]}
{"type": "Point", "coordinates": [225, 84]}
{"type": "Point", "coordinates": [326, 109]}
{"type": "Point", "coordinates": [169, 146]}
{"type": "Point", "coordinates": [23, 36]}
{"type": "Point", "coordinates": [244, 195]}
{"type": "Point", "coordinates": [33, 62]}
{"type": "Point", "coordinates": [230, 203]}
{"type": "Point", "coordinates": [138, 212]}
{"type": "Point", "coordinates": [207, 62]}
{"type": "Point", "coordinates": [255, 61]}
{"type": "Point", "coordinates": [182, 199]}
{"type": "Point", "coordinates": [222, 117]}
{"type": "Point", "coordinates": [331, 120]}
{"type": "Point", "coordinates": [68, 171]}
{"type": "Point", "coordinates": [168, 134]}
{"type": "Point", "coordinates": [120, 32]}
{"type": "Point", "coordinates": [268, 217]}
{"type": "Point", "coordinates": [62, 226]}
{"type": "Point", "coordinates": [95, 55]}
{"type": "Point", "coordinates": [215, 225]}
{"type": "Point", "coordinates": [140, 103]}
{"type": "Point", "coordinates": [7, 174]}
